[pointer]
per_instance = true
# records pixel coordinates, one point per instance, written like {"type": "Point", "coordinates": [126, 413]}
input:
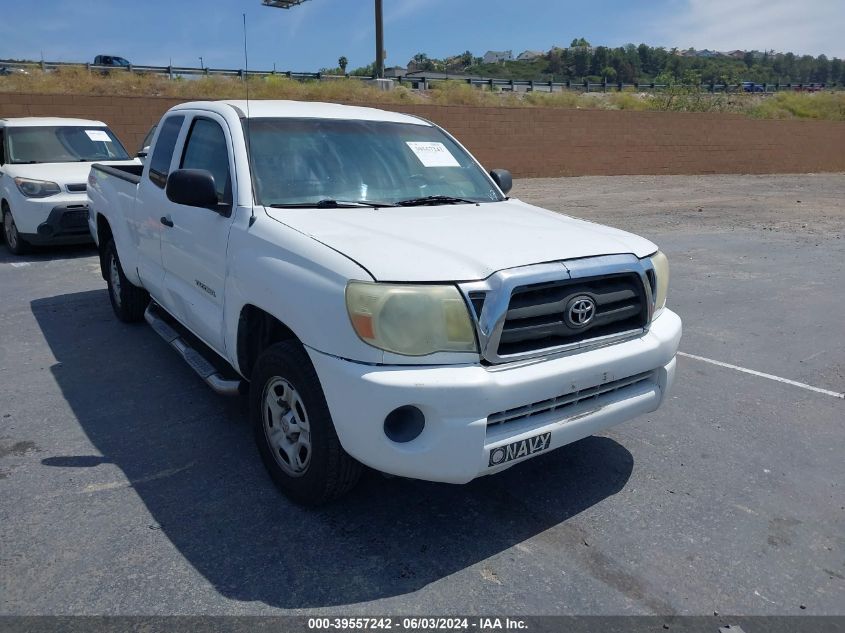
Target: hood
{"type": "Point", "coordinates": [60, 173]}
{"type": "Point", "coordinates": [457, 242]}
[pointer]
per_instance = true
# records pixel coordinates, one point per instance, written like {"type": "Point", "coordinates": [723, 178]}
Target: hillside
{"type": "Point", "coordinates": [629, 64]}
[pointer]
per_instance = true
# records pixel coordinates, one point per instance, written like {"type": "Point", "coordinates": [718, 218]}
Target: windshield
{"type": "Point", "coordinates": [61, 144]}
{"type": "Point", "coordinates": [148, 139]}
{"type": "Point", "coordinates": [299, 162]}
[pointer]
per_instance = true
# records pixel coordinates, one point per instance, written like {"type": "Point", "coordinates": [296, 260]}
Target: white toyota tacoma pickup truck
{"type": "Point", "coordinates": [378, 294]}
{"type": "Point", "coordinates": [44, 165]}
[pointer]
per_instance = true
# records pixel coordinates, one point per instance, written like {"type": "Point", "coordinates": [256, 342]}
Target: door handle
{"type": "Point", "coordinates": [166, 221]}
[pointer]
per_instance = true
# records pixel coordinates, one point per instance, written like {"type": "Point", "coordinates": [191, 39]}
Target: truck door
{"type": "Point", "coordinates": [151, 205]}
{"type": "Point", "coordinates": [194, 242]}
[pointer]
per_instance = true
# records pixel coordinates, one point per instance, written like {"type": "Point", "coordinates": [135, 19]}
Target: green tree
{"type": "Point", "coordinates": [423, 62]}
{"type": "Point", "coordinates": [579, 41]}
{"type": "Point", "coordinates": [645, 54]}
{"type": "Point", "coordinates": [822, 71]}
{"type": "Point", "coordinates": [365, 71]}
{"type": "Point", "coordinates": [608, 73]}
{"type": "Point", "coordinates": [342, 63]}
{"type": "Point", "coordinates": [789, 69]}
{"type": "Point", "coordinates": [600, 60]}
{"type": "Point", "coordinates": [837, 70]}
{"type": "Point", "coordinates": [581, 63]}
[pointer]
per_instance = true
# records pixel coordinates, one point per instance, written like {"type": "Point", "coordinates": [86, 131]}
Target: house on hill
{"type": "Point", "coordinates": [527, 56]}
{"type": "Point", "coordinates": [495, 57]}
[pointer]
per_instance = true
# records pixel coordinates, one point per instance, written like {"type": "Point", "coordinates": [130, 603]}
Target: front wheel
{"type": "Point", "coordinates": [127, 300]}
{"type": "Point", "coordinates": [14, 242]}
{"type": "Point", "coordinates": [294, 430]}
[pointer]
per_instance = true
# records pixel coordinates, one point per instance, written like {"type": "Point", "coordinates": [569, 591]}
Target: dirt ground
{"type": "Point", "coordinates": [802, 205]}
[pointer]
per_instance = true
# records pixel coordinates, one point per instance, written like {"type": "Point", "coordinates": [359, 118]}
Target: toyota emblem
{"type": "Point", "coordinates": [581, 311]}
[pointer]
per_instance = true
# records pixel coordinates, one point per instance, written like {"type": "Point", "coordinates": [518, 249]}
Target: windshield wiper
{"type": "Point", "coordinates": [432, 200]}
{"type": "Point", "coordinates": [328, 203]}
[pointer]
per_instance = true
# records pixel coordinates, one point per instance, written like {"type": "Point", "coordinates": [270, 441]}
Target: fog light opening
{"type": "Point", "coordinates": [404, 424]}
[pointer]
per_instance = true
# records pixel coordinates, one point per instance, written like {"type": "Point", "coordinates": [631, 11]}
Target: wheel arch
{"type": "Point", "coordinates": [257, 330]}
{"type": "Point", "coordinates": [104, 234]}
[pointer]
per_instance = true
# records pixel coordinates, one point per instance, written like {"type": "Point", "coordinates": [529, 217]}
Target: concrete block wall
{"type": "Point", "coordinates": [547, 142]}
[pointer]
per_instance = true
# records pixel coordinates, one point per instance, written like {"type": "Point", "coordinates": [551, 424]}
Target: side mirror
{"type": "Point", "coordinates": [503, 178]}
{"type": "Point", "coordinates": [193, 188]}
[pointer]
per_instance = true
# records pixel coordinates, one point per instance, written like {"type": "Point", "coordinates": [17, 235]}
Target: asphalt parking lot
{"type": "Point", "coordinates": [128, 487]}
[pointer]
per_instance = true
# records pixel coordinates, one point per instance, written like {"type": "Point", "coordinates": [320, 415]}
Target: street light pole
{"type": "Point", "coordinates": [379, 68]}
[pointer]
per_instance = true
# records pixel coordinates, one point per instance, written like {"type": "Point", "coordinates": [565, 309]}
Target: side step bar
{"type": "Point", "coordinates": [197, 362]}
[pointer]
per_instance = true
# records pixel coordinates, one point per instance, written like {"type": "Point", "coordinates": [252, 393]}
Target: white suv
{"type": "Point", "coordinates": [44, 165]}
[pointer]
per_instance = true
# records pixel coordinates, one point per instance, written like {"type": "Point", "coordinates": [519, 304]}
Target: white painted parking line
{"type": "Point", "coordinates": [753, 372]}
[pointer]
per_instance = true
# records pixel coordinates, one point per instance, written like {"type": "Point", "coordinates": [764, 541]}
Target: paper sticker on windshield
{"type": "Point", "coordinates": [98, 135]}
{"type": "Point", "coordinates": [433, 154]}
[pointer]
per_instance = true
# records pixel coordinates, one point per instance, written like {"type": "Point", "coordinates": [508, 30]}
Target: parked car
{"type": "Point", "coordinates": [750, 86]}
{"type": "Point", "coordinates": [377, 293]}
{"type": "Point", "coordinates": [809, 87]}
{"type": "Point", "coordinates": [44, 166]}
{"type": "Point", "coordinates": [5, 71]}
{"type": "Point", "coordinates": [111, 60]}
{"type": "Point", "coordinates": [144, 149]}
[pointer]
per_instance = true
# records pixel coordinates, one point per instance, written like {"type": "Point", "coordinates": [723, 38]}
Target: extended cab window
{"type": "Point", "coordinates": [163, 151]}
{"type": "Point", "coordinates": [2, 148]}
{"type": "Point", "coordinates": [206, 148]}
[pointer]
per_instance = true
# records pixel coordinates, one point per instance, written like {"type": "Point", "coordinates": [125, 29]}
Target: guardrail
{"type": "Point", "coordinates": [422, 82]}
{"type": "Point", "coordinates": [173, 71]}
{"type": "Point", "coordinates": [607, 86]}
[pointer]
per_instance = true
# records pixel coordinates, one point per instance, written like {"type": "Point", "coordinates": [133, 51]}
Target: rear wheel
{"type": "Point", "coordinates": [294, 430]}
{"type": "Point", "coordinates": [14, 242]}
{"type": "Point", "coordinates": [127, 300]}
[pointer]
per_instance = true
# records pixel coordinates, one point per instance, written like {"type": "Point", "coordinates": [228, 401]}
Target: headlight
{"type": "Point", "coordinates": [661, 279]}
{"type": "Point", "coordinates": [37, 188]}
{"type": "Point", "coordinates": [410, 320]}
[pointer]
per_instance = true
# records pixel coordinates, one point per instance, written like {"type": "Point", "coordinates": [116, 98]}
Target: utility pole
{"type": "Point", "coordinates": [379, 68]}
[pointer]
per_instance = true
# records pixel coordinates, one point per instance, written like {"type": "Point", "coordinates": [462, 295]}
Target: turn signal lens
{"type": "Point", "coordinates": [661, 278]}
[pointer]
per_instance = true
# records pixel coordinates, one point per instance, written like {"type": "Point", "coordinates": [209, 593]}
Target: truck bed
{"type": "Point", "coordinates": [130, 173]}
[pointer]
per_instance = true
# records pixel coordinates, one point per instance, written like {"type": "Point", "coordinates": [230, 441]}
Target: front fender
{"type": "Point", "coordinates": [296, 279]}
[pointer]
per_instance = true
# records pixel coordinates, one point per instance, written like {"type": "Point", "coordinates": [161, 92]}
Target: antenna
{"type": "Point", "coordinates": [248, 139]}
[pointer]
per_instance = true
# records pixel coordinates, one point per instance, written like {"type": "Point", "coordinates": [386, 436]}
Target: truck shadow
{"type": "Point", "coordinates": [189, 456]}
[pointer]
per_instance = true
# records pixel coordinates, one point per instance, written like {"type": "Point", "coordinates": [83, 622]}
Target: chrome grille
{"type": "Point", "coordinates": [566, 401]}
{"type": "Point", "coordinates": [521, 313]}
{"type": "Point", "coordinates": [536, 316]}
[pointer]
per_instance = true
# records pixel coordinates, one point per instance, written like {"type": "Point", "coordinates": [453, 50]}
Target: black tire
{"type": "Point", "coordinates": [14, 242]}
{"type": "Point", "coordinates": [127, 300]}
{"type": "Point", "coordinates": [330, 471]}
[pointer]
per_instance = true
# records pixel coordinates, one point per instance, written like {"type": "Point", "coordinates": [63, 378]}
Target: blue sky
{"type": "Point", "coordinates": [316, 33]}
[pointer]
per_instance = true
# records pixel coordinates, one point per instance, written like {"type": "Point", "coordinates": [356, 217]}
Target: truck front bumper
{"type": "Point", "coordinates": [570, 397]}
